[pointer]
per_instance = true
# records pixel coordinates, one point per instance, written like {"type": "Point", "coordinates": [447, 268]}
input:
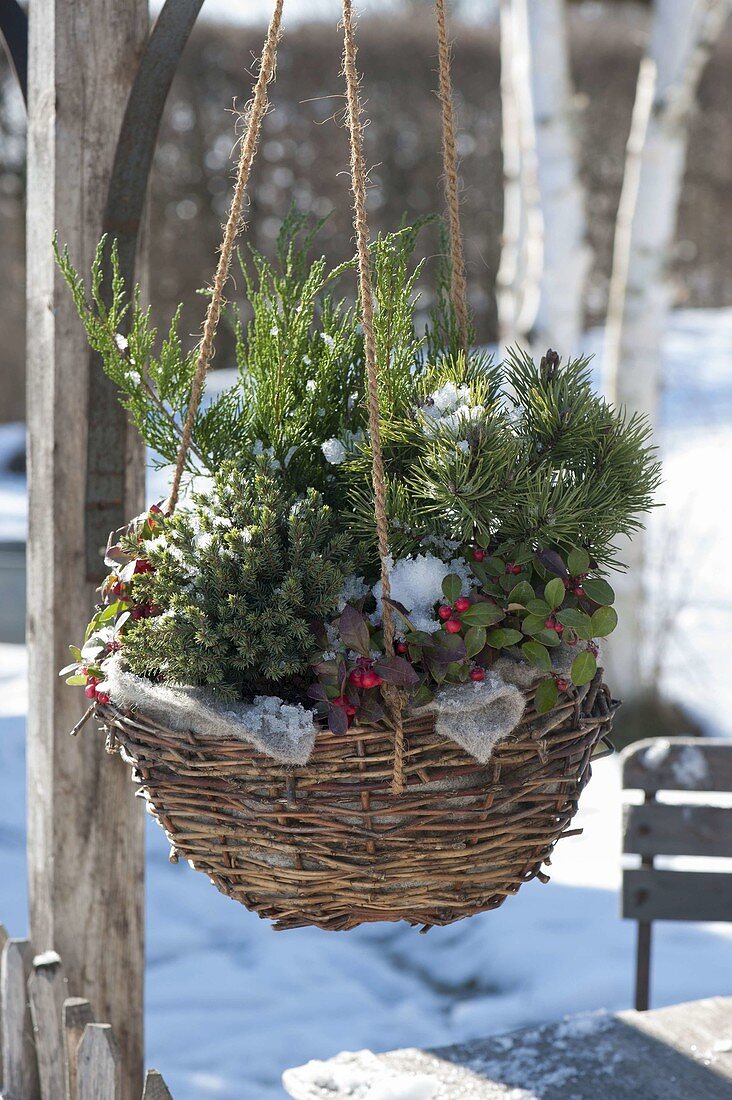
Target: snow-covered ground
{"type": "Point", "coordinates": [230, 1004]}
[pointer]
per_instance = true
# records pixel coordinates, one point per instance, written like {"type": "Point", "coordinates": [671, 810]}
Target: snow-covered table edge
{"type": "Point", "coordinates": [668, 1054]}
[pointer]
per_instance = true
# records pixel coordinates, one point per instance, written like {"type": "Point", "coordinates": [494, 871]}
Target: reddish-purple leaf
{"type": "Point", "coordinates": [370, 710]}
{"type": "Point", "coordinates": [395, 670]}
{"type": "Point", "coordinates": [337, 720]}
{"type": "Point", "coordinates": [354, 630]}
{"type": "Point", "coordinates": [447, 648]}
{"type": "Point", "coordinates": [552, 562]}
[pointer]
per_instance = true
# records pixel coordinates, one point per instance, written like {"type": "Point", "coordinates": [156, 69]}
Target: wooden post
{"type": "Point", "coordinates": [20, 1070]}
{"type": "Point", "coordinates": [85, 831]}
{"type": "Point", "coordinates": [155, 1087]}
{"type": "Point", "coordinates": [77, 1013]}
{"type": "Point", "coordinates": [46, 992]}
{"type": "Point", "coordinates": [99, 1064]}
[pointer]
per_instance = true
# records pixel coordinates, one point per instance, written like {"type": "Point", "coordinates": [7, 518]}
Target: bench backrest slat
{"type": "Point", "coordinates": [678, 764]}
{"type": "Point", "coordinates": [661, 829]}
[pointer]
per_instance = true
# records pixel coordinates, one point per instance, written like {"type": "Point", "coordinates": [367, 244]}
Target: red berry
{"type": "Point", "coordinates": [562, 684]}
{"type": "Point", "coordinates": [102, 697]}
{"type": "Point", "coordinates": [579, 590]}
{"type": "Point", "coordinates": [356, 677]}
{"type": "Point", "coordinates": [340, 701]}
{"type": "Point", "coordinates": [478, 555]}
{"type": "Point", "coordinates": [402, 647]}
{"type": "Point", "coordinates": [91, 690]}
{"type": "Point", "coordinates": [453, 626]}
{"type": "Point", "coordinates": [553, 624]}
{"type": "Point", "coordinates": [462, 604]}
{"type": "Point", "coordinates": [114, 646]}
{"type": "Point", "coordinates": [444, 611]}
{"type": "Point", "coordinates": [477, 674]}
{"type": "Point", "coordinates": [513, 569]}
{"type": "Point", "coordinates": [371, 679]}
{"type": "Point", "coordinates": [142, 565]}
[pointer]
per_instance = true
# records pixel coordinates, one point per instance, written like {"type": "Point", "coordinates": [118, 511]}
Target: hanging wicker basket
{"type": "Point", "coordinates": [329, 844]}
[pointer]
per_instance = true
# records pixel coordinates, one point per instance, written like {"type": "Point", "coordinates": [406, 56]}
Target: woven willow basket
{"type": "Point", "coordinates": [329, 844]}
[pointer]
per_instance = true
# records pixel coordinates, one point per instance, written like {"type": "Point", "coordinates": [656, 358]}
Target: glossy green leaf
{"type": "Point", "coordinates": [538, 654]}
{"type": "Point", "coordinates": [502, 638]}
{"type": "Point", "coordinates": [578, 562]}
{"type": "Point", "coordinates": [598, 590]}
{"type": "Point", "coordinates": [546, 696]}
{"type": "Point", "coordinates": [452, 586]}
{"type": "Point", "coordinates": [533, 623]}
{"type": "Point", "coordinates": [521, 593]}
{"type": "Point", "coordinates": [584, 667]}
{"type": "Point", "coordinates": [604, 622]}
{"type": "Point", "coordinates": [579, 622]}
{"type": "Point", "coordinates": [482, 613]}
{"type": "Point", "coordinates": [475, 640]}
{"type": "Point", "coordinates": [554, 592]}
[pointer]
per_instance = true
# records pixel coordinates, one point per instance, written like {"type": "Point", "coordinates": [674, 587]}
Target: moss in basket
{"type": "Point", "coordinates": [233, 583]}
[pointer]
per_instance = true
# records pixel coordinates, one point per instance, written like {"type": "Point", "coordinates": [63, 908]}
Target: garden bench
{"type": "Point", "coordinates": [684, 827]}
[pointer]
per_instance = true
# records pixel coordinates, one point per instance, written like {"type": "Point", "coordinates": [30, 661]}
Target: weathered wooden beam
{"type": "Point", "coordinates": [665, 829]}
{"type": "Point", "coordinates": [20, 1071]}
{"type": "Point", "coordinates": [77, 1013]}
{"type": "Point", "coordinates": [155, 1087]}
{"type": "Point", "coordinates": [677, 895]}
{"type": "Point", "coordinates": [99, 1064]}
{"type": "Point", "coordinates": [85, 830]}
{"type": "Point", "coordinates": [47, 988]}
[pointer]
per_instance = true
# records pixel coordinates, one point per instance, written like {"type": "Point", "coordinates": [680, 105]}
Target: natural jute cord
{"type": "Point", "coordinates": [254, 114]}
{"type": "Point", "coordinates": [459, 290]}
{"type": "Point", "coordinates": [366, 296]}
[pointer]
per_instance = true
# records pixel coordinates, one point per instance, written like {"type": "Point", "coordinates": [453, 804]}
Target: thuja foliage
{"type": "Point", "coordinates": [300, 375]}
{"type": "Point", "coordinates": [232, 585]}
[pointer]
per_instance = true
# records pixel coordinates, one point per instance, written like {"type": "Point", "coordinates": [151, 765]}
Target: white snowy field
{"type": "Point", "coordinates": [230, 1004]}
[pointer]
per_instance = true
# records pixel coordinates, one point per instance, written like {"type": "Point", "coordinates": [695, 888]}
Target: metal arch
{"type": "Point", "coordinates": [14, 33]}
{"type": "Point", "coordinates": [106, 445]}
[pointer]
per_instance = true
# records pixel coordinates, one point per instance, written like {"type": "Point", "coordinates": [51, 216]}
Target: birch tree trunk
{"type": "Point", "coordinates": [683, 33]}
{"type": "Point", "coordinates": [566, 253]}
{"type": "Point", "coordinates": [519, 272]}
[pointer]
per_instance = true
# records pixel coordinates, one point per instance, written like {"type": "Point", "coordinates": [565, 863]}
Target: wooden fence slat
{"type": "Point", "coordinates": [20, 1080]}
{"type": "Point", "coordinates": [678, 764]}
{"type": "Point", "coordinates": [76, 1014]}
{"type": "Point", "coordinates": [677, 895]}
{"type": "Point", "coordinates": [660, 829]}
{"type": "Point", "coordinates": [3, 940]}
{"type": "Point", "coordinates": [155, 1087]}
{"type": "Point", "coordinates": [99, 1064]}
{"type": "Point", "coordinates": [47, 988]}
